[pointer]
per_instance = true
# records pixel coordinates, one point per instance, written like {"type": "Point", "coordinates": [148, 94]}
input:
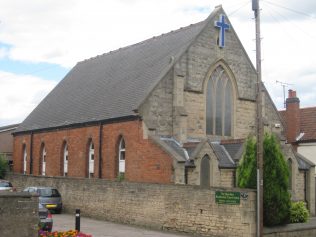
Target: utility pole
{"type": "Point", "coordinates": [256, 9]}
{"type": "Point", "coordinates": [283, 84]}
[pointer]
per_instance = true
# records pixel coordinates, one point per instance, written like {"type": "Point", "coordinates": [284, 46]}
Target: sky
{"type": "Point", "coordinates": [41, 40]}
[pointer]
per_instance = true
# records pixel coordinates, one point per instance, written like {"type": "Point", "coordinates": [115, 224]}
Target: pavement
{"type": "Point", "coordinates": [98, 228]}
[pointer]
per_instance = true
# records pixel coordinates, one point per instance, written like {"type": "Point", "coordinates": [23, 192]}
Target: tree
{"type": "Point", "coordinates": [4, 166]}
{"type": "Point", "coordinates": [246, 170]}
{"type": "Point", "coordinates": [276, 198]}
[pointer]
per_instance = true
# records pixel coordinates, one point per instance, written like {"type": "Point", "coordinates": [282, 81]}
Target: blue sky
{"type": "Point", "coordinates": [41, 41]}
{"type": "Point", "coordinates": [48, 71]}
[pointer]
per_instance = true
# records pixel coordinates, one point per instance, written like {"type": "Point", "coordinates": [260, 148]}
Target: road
{"type": "Point", "coordinates": [97, 228]}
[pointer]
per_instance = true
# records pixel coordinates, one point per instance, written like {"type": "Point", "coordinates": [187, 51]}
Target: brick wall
{"type": "Point", "coordinates": [181, 208]}
{"type": "Point", "coordinates": [145, 161]}
{"type": "Point", "coordinates": [18, 214]}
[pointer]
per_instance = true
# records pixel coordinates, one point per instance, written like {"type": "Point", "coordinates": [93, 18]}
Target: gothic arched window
{"type": "Point", "coordinates": [43, 160]}
{"type": "Point", "coordinates": [24, 159]}
{"type": "Point", "coordinates": [121, 152]}
{"type": "Point", "coordinates": [91, 160]}
{"type": "Point", "coordinates": [65, 158]}
{"type": "Point", "coordinates": [219, 104]}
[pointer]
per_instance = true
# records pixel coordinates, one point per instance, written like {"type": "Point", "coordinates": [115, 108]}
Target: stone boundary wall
{"type": "Point", "coordinates": [18, 214]}
{"type": "Point", "coordinates": [293, 230]}
{"type": "Point", "coordinates": [187, 209]}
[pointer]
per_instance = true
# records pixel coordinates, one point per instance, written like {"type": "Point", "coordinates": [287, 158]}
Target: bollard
{"type": "Point", "coordinates": [78, 219]}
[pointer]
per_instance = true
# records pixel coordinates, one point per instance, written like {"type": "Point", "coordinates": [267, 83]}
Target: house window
{"type": "Point", "coordinates": [219, 104]}
{"type": "Point", "coordinates": [121, 152]}
{"type": "Point", "coordinates": [43, 156]}
{"type": "Point", "coordinates": [65, 156]}
{"type": "Point", "coordinates": [24, 159]}
{"type": "Point", "coordinates": [91, 160]}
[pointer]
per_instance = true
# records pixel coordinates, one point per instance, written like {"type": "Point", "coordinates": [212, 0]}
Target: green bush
{"type": "Point", "coordinates": [246, 171]}
{"type": "Point", "coordinates": [276, 198]}
{"type": "Point", "coordinates": [299, 212]}
{"type": "Point", "coordinates": [4, 166]}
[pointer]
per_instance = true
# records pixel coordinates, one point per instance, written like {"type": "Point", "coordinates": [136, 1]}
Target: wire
{"type": "Point", "coordinates": [287, 20]}
{"type": "Point", "coordinates": [289, 9]}
{"type": "Point", "coordinates": [243, 5]}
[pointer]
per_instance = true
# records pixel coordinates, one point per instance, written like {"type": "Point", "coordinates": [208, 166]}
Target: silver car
{"type": "Point", "coordinates": [6, 185]}
{"type": "Point", "coordinates": [49, 197]}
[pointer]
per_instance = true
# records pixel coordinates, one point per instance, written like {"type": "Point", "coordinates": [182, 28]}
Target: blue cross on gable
{"type": "Point", "coordinates": [222, 27]}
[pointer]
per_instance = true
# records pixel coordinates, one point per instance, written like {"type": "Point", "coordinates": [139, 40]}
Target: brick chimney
{"type": "Point", "coordinates": [292, 117]}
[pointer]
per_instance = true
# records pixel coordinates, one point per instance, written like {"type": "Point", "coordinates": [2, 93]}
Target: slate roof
{"type": "Point", "coordinates": [114, 84]}
{"type": "Point", "coordinates": [303, 163]}
{"type": "Point", "coordinates": [224, 159]}
{"type": "Point", "coordinates": [8, 127]}
{"type": "Point", "coordinates": [307, 123]}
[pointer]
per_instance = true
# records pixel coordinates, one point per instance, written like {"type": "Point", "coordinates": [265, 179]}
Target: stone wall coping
{"type": "Point", "coordinates": [17, 194]}
{"type": "Point", "coordinates": [100, 181]}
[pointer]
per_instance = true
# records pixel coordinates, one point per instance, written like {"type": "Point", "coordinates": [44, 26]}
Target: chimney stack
{"type": "Point", "coordinates": [293, 117]}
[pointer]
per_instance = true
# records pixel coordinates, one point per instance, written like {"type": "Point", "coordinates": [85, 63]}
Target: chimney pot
{"type": "Point", "coordinates": [292, 94]}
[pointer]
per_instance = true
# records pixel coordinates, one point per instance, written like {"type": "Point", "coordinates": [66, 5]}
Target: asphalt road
{"type": "Point", "coordinates": [97, 228]}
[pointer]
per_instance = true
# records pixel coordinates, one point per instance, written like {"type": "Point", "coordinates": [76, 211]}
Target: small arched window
{"type": "Point", "coordinates": [91, 160]}
{"type": "Point", "coordinates": [121, 152]}
{"type": "Point", "coordinates": [24, 159]}
{"type": "Point", "coordinates": [43, 160]}
{"type": "Point", "coordinates": [65, 158]}
{"type": "Point", "coordinates": [205, 172]}
{"type": "Point", "coordinates": [219, 104]}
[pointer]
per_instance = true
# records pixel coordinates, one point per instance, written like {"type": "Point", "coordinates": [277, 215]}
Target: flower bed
{"type": "Point", "coordinates": [69, 233]}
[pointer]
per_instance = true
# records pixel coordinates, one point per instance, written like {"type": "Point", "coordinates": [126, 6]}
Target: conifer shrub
{"type": "Point", "coordinates": [299, 212]}
{"type": "Point", "coordinates": [4, 166]}
{"type": "Point", "coordinates": [276, 198]}
{"type": "Point", "coordinates": [246, 171]}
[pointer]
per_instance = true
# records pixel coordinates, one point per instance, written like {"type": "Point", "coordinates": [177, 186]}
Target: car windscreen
{"type": "Point", "coordinates": [47, 192]}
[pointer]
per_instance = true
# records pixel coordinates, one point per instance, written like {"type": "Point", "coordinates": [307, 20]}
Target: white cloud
{"type": "Point", "coordinates": [19, 95]}
{"type": "Point", "coordinates": [65, 32]}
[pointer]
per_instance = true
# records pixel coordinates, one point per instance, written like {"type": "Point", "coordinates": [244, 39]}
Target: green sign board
{"type": "Point", "coordinates": [230, 198]}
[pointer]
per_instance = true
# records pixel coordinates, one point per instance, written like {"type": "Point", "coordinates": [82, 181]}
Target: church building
{"type": "Point", "coordinates": [174, 109]}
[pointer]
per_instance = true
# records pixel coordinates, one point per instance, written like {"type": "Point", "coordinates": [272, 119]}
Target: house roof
{"type": "Point", "coordinates": [10, 127]}
{"type": "Point", "coordinates": [112, 85]}
{"type": "Point", "coordinates": [307, 123]}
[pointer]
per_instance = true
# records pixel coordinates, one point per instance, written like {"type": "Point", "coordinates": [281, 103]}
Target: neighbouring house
{"type": "Point", "coordinates": [175, 108]}
{"type": "Point", "coordinates": [6, 142]}
{"type": "Point", "coordinates": [300, 126]}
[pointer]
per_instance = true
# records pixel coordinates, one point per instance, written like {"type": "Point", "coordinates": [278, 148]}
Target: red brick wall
{"type": "Point", "coordinates": [145, 161]}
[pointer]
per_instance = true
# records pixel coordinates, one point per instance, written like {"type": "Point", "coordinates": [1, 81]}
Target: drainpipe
{"type": "Point", "coordinates": [31, 154]}
{"type": "Point", "coordinates": [100, 150]}
{"type": "Point", "coordinates": [305, 188]}
{"type": "Point", "coordinates": [185, 174]}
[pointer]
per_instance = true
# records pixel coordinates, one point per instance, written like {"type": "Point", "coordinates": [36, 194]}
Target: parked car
{"type": "Point", "coordinates": [45, 218]}
{"type": "Point", "coordinates": [49, 197]}
{"type": "Point", "coordinates": [5, 185]}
